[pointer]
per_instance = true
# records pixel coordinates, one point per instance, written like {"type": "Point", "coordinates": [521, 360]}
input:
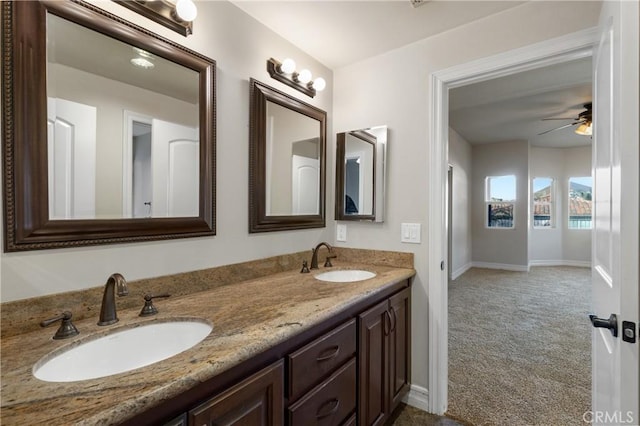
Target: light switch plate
{"type": "Point", "coordinates": [341, 232]}
{"type": "Point", "coordinates": [410, 233]}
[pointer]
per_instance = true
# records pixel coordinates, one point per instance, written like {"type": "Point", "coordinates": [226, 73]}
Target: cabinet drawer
{"type": "Point", "coordinates": [333, 402]}
{"type": "Point", "coordinates": [310, 364]}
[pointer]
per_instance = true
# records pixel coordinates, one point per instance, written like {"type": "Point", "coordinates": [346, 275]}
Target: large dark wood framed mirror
{"type": "Point", "coordinates": [360, 174]}
{"type": "Point", "coordinates": [287, 143]}
{"type": "Point", "coordinates": [105, 141]}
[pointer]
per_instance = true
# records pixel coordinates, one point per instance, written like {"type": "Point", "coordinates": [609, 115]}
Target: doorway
{"type": "Point", "coordinates": [574, 46]}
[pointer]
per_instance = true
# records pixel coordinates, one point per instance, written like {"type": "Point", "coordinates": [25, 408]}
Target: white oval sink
{"type": "Point", "coordinates": [345, 275]}
{"type": "Point", "coordinates": [121, 350]}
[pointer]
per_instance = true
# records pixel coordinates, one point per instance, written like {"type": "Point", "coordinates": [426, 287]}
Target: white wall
{"type": "Point", "coordinates": [560, 245]}
{"type": "Point", "coordinates": [507, 247]}
{"type": "Point", "coordinates": [241, 46]}
{"type": "Point", "coordinates": [460, 158]}
{"type": "Point", "coordinates": [394, 89]}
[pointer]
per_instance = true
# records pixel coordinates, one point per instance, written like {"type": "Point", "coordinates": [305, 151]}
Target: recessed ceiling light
{"type": "Point", "coordinates": [143, 59]}
{"type": "Point", "coordinates": [141, 62]}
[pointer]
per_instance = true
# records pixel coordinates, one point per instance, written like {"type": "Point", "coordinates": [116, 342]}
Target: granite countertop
{"type": "Point", "coordinates": [248, 317]}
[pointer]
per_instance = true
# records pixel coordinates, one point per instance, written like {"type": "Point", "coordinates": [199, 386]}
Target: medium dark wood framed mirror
{"type": "Point", "coordinates": [360, 174]}
{"type": "Point", "coordinates": [44, 207]}
{"type": "Point", "coordinates": [287, 143]}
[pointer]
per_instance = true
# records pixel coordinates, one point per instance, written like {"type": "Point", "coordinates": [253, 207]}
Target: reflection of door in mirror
{"type": "Point", "coordinates": [292, 171]}
{"type": "Point", "coordinates": [71, 154]}
{"type": "Point", "coordinates": [106, 78]}
{"type": "Point", "coordinates": [160, 172]}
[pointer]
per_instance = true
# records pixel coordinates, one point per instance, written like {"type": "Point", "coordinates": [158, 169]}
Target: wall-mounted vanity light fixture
{"type": "Point", "coordinates": [175, 14]}
{"type": "Point", "coordinates": [285, 72]}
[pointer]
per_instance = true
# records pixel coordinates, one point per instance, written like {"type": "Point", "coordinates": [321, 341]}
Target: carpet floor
{"type": "Point", "coordinates": [520, 346]}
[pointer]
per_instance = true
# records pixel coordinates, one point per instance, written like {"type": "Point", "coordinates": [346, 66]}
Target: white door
{"type": "Point", "coordinates": [175, 153]}
{"type": "Point", "coordinates": [616, 395]}
{"type": "Point", "coordinates": [305, 185]}
{"type": "Point", "coordinates": [71, 154]}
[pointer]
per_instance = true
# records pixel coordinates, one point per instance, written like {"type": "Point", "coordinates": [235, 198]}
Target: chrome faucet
{"type": "Point", "coordinates": [115, 283]}
{"type": "Point", "coordinates": [314, 257]}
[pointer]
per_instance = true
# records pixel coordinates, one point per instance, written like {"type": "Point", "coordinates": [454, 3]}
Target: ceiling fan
{"type": "Point", "coordinates": [584, 120]}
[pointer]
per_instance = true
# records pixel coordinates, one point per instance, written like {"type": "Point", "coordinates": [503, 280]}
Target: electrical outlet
{"type": "Point", "coordinates": [341, 233]}
{"type": "Point", "coordinates": [410, 233]}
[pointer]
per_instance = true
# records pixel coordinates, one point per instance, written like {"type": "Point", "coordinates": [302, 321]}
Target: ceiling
{"type": "Point", "coordinates": [338, 33]}
{"type": "Point", "coordinates": [512, 107]}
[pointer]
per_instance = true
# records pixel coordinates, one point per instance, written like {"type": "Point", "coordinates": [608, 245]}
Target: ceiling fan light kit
{"type": "Point", "coordinates": [584, 120]}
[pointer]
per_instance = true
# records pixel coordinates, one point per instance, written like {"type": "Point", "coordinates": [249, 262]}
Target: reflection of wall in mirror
{"type": "Point", "coordinates": [111, 98]}
{"type": "Point", "coordinates": [287, 131]}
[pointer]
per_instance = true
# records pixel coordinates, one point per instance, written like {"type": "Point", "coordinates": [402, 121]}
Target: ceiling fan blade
{"type": "Point", "coordinates": [559, 118]}
{"type": "Point", "coordinates": [559, 128]}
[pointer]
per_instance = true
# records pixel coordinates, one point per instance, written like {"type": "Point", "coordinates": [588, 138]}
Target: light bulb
{"type": "Point", "coordinates": [186, 10]}
{"type": "Point", "coordinates": [319, 84]}
{"type": "Point", "coordinates": [288, 66]}
{"type": "Point", "coordinates": [585, 129]}
{"type": "Point", "coordinates": [304, 77]}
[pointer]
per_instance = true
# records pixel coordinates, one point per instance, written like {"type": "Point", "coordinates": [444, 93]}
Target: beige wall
{"type": "Point", "coordinates": [560, 245]}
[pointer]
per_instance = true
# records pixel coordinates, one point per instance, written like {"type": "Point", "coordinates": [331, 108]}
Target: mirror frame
{"type": "Point", "coordinates": [260, 94]}
{"type": "Point", "coordinates": [379, 174]}
{"type": "Point", "coordinates": [24, 132]}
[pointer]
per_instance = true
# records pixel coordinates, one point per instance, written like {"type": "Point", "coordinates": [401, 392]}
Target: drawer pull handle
{"type": "Point", "coordinates": [335, 350]}
{"type": "Point", "coordinates": [386, 322]}
{"type": "Point", "coordinates": [334, 403]}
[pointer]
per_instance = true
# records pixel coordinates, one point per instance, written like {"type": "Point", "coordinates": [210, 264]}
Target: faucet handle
{"type": "Point", "coordinates": [148, 308]}
{"type": "Point", "coordinates": [66, 330]}
{"type": "Point", "coordinates": [327, 262]}
{"type": "Point", "coordinates": [305, 267]}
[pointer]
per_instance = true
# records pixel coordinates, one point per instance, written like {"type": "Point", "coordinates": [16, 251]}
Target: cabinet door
{"type": "Point", "coordinates": [399, 346]}
{"type": "Point", "coordinates": [256, 401]}
{"type": "Point", "coordinates": [373, 355]}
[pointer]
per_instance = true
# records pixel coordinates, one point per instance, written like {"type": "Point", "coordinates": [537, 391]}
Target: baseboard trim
{"type": "Point", "coordinates": [578, 263]}
{"type": "Point", "coordinates": [503, 266]}
{"type": "Point", "coordinates": [461, 270]}
{"type": "Point", "coordinates": [417, 397]}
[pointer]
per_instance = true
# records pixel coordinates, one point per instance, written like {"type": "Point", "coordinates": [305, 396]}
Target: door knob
{"type": "Point", "coordinates": [611, 323]}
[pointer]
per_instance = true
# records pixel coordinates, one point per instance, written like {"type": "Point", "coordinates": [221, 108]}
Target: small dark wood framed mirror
{"type": "Point", "coordinates": [49, 201]}
{"type": "Point", "coordinates": [287, 143]}
{"type": "Point", "coordinates": [360, 174]}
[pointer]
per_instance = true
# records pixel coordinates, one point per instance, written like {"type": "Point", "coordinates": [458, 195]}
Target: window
{"type": "Point", "coordinates": [500, 198]}
{"type": "Point", "coordinates": [543, 196]}
{"type": "Point", "coordinates": [580, 202]}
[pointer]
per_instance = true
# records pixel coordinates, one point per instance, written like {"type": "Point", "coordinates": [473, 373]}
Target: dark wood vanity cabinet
{"type": "Point", "coordinates": [257, 400]}
{"type": "Point", "coordinates": [384, 358]}
{"type": "Point", "coordinates": [351, 369]}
